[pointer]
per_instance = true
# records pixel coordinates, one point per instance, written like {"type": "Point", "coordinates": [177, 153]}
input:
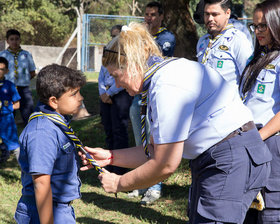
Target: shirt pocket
{"type": "Point", "coordinates": [65, 158]}
{"type": "Point", "coordinates": [265, 84]}
{"type": "Point", "coordinates": [222, 60]}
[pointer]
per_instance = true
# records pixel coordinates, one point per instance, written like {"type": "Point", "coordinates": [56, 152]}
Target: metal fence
{"type": "Point", "coordinates": [96, 34]}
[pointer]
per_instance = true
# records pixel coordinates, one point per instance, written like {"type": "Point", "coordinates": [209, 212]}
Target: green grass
{"type": "Point", "coordinates": [96, 206]}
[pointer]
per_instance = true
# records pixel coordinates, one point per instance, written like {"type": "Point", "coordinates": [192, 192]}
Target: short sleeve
{"type": "Point", "coordinates": [41, 149]}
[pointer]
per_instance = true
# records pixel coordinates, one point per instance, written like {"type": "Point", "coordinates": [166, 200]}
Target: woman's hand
{"type": "Point", "coordinates": [109, 181]}
{"type": "Point", "coordinates": [102, 157]}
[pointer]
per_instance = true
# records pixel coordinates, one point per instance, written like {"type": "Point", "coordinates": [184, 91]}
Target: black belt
{"type": "Point", "coordinates": [244, 128]}
{"type": "Point", "coordinates": [66, 203]}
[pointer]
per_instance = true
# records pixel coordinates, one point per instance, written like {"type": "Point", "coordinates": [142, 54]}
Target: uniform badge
{"type": "Point", "coordinates": [66, 145]}
{"type": "Point", "coordinates": [6, 103]}
{"type": "Point", "coordinates": [261, 88]}
{"type": "Point", "coordinates": [0, 105]}
{"type": "Point", "coordinates": [166, 46]}
{"type": "Point", "coordinates": [270, 66]}
{"type": "Point", "coordinates": [220, 64]}
{"type": "Point", "coordinates": [223, 47]}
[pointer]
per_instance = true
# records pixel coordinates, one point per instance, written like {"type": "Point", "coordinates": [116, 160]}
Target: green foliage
{"type": "Point", "coordinates": [39, 21]}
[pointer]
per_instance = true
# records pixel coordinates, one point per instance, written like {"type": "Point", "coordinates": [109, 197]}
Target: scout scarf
{"type": "Point", "coordinates": [161, 29]}
{"type": "Point", "coordinates": [154, 63]}
{"type": "Point", "coordinates": [15, 54]}
{"type": "Point", "coordinates": [62, 123]}
{"type": "Point", "coordinates": [213, 41]}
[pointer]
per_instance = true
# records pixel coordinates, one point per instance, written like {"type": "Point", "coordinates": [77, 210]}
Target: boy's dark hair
{"type": "Point", "coordinates": [4, 61]}
{"type": "Point", "coordinates": [117, 27]}
{"type": "Point", "coordinates": [12, 32]}
{"type": "Point", "coordinates": [225, 4]}
{"type": "Point", "coordinates": [55, 80]}
{"type": "Point", "coordinates": [158, 5]}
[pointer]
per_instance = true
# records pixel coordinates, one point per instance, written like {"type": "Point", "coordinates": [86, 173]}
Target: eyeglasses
{"type": "Point", "coordinates": [260, 27]}
{"type": "Point", "coordinates": [111, 51]}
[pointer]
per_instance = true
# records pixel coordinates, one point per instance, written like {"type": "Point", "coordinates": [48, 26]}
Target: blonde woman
{"type": "Point", "coordinates": [193, 114]}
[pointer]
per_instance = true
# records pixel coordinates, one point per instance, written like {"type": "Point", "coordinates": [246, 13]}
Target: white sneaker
{"type": "Point", "coordinates": [136, 193]}
{"type": "Point", "coordinates": [150, 196]}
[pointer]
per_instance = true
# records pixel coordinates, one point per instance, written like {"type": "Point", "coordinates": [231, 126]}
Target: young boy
{"type": "Point", "coordinates": [9, 101]}
{"type": "Point", "coordinates": [21, 71]}
{"type": "Point", "coordinates": [48, 157]}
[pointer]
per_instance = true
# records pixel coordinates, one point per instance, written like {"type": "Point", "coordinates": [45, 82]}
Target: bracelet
{"type": "Point", "coordinates": [111, 158]}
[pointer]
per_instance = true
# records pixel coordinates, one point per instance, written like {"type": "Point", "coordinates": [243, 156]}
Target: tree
{"type": "Point", "coordinates": [178, 19]}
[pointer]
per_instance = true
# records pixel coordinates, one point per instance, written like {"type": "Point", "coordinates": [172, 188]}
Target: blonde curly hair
{"type": "Point", "coordinates": [131, 49]}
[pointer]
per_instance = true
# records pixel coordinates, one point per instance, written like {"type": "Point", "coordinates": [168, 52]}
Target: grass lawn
{"type": "Point", "coordinates": [96, 206]}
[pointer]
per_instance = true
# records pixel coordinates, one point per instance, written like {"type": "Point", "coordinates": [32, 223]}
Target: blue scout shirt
{"type": "Point", "coordinates": [8, 95]}
{"type": "Point", "coordinates": [166, 41]}
{"type": "Point", "coordinates": [195, 105]}
{"type": "Point", "coordinates": [242, 27]}
{"type": "Point", "coordinates": [45, 149]}
{"type": "Point", "coordinates": [228, 55]}
{"type": "Point", "coordinates": [264, 98]}
{"type": "Point", "coordinates": [25, 65]}
{"type": "Point", "coordinates": [106, 83]}
{"type": "Point", "coordinates": [8, 129]}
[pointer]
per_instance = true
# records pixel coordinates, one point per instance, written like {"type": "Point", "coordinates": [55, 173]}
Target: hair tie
{"type": "Point", "coordinates": [125, 28]}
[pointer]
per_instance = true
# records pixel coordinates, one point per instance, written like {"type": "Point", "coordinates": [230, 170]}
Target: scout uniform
{"type": "Point", "coordinates": [264, 102]}
{"type": "Point", "coordinates": [45, 149]}
{"type": "Point", "coordinates": [20, 65]}
{"type": "Point", "coordinates": [228, 159]}
{"type": "Point", "coordinates": [227, 53]}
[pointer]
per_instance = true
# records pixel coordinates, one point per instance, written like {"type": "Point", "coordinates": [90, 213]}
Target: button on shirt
{"type": "Point", "coordinates": [228, 55]}
{"type": "Point", "coordinates": [195, 105]}
{"type": "Point", "coordinates": [45, 149]}
{"type": "Point", "coordinates": [25, 66]}
{"type": "Point", "coordinates": [166, 41]}
{"type": "Point", "coordinates": [106, 83]}
{"type": "Point", "coordinates": [264, 98]}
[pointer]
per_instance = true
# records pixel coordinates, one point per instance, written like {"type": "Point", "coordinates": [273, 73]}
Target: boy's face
{"type": "Point", "coordinates": [70, 102]}
{"type": "Point", "coordinates": [14, 42]}
{"type": "Point", "coordinates": [3, 70]}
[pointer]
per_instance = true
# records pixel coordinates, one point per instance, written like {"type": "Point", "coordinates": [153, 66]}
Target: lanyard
{"type": "Point", "coordinates": [213, 41]}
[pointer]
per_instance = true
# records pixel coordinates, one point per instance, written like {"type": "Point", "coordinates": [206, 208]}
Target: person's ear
{"type": "Point", "coordinates": [228, 12]}
{"type": "Point", "coordinates": [53, 102]}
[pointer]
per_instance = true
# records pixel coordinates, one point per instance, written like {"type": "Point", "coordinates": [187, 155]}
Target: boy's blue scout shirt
{"type": "Point", "coordinates": [45, 149]}
{"type": "Point", "coordinates": [166, 41]}
{"type": "Point", "coordinates": [228, 55]}
{"type": "Point", "coordinates": [25, 66]}
{"type": "Point", "coordinates": [264, 98]}
{"type": "Point", "coordinates": [8, 95]}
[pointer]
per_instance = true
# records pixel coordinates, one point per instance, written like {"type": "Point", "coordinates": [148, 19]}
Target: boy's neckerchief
{"type": "Point", "coordinates": [154, 64]}
{"type": "Point", "coordinates": [214, 40]}
{"type": "Point", "coordinates": [63, 124]}
{"type": "Point", "coordinates": [15, 54]}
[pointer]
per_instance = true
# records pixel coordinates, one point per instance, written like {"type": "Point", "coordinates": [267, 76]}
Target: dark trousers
{"type": "Point", "coordinates": [26, 103]}
{"type": "Point", "coordinates": [115, 118]}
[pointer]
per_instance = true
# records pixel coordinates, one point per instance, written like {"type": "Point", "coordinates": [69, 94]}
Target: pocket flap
{"type": "Point", "coordinates": [259, 153]}
{"type": "Point", "coordinates": [273, 184]}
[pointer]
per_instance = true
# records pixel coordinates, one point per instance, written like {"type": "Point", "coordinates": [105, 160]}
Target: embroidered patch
{"type": "Point", "coordinates": [6, 103]}
{"type": "Point", "coordinates": [0, 104]}
{"type": "Point", "coordinates": [261, 89]}
{"type": "Point", "coordinates": [66, 145]}
{"type": "Point", "coordinates": [220, 64]}
{"type": "Point", "coordinates": [270, 66]}
{"type": "Point", "coordinates": [223, 48]}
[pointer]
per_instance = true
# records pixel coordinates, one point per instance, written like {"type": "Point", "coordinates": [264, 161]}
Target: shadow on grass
{"type": "Point", "coordinates": [90, 221]}
{"type": "Point", "coordinates": [128, 208]}
{"type": "Point", "coordinates": [7, 170]}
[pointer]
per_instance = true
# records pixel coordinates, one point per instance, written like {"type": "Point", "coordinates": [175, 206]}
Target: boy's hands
{"type": "Point", "coordinates": [102, 157]}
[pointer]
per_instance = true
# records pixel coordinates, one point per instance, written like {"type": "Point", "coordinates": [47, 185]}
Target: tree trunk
{"type": "Point", "coordinates": [178, 20]}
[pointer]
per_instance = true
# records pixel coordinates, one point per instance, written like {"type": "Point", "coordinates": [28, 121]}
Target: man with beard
{"type": "Point", "coordinates": [224, 48]}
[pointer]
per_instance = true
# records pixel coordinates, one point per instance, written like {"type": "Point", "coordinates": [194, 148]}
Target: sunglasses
{"type": "Point", "coordinates": [111, 51]}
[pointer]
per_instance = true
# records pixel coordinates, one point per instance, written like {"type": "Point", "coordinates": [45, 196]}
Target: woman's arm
{"type": "Point", "coordinates": [16, 105]}
{"type": "Point", "coordinates": [43, 195]}
{"type": "Point", "coordinates": [163, 162]}
{"type": "Point", "coordinates": [272, 127]}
